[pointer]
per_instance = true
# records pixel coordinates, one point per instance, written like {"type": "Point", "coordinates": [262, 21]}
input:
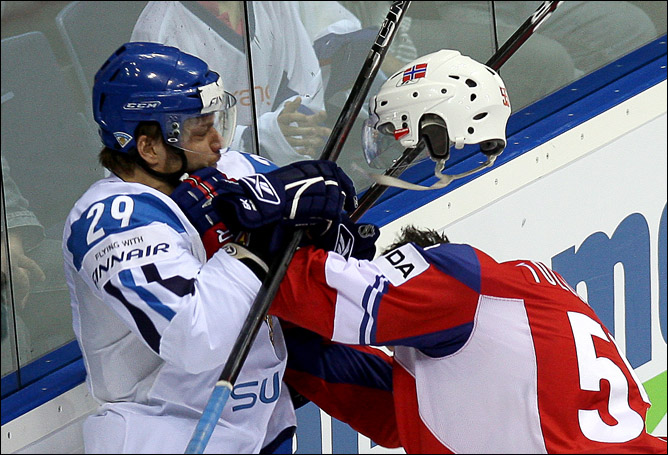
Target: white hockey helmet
{"type": "Point", "coordinates": [440, 100]}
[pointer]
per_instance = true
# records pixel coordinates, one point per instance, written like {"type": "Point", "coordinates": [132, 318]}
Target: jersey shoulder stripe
{"type": "Point", "coordinates": [260, 164]}
{"type": "Point", "coordinates": [456, 260]}
{"type": "Point", "coordinates": [116, 214]}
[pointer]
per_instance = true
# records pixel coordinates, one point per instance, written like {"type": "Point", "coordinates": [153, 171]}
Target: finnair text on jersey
{"type": "Point", "coordinates": [124, 256]}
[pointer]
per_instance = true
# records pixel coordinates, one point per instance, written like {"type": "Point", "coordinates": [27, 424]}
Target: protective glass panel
{"type": "Point", "coordinates": [8, 347]}
{"type": "Point", "coordinates": [304, 60]}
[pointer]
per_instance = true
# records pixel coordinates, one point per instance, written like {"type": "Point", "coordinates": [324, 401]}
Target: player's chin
{"type": "Point", "coordinates": [216, 156]}
{"type": "Point", "coordinates": [213, 160]}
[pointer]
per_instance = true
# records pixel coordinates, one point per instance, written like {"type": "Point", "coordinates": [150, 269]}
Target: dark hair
{"type": "Point", "coordinates": [422, 237]}
{"type": "Point", "coordinates": [124, 162]}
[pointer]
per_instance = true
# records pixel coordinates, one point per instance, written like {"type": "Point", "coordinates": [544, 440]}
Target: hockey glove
{"type": "Point", "coordinates": [195, 198]}
{"type": "Point", "coordinates": [302, 194]}
{"type": "Point", "coordinates": [347, 239]}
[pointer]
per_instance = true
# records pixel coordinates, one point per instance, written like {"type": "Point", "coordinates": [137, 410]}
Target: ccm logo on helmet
{"type": "Point", "coordinates": [142, 105]}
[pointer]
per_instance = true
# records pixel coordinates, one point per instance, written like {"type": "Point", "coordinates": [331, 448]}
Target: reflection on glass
{"type": "Point", "coordinates": [20, 272]}
{"type": "Point", "coordinates": [39, 191]}
{"type": "Point", "coordinates": [591, 33]}
{"type": "Point", "coordinates": [286, 95]}
{"type": "Point", "coordinates": [35, 283]}
{"type": "Point", "coordinates": [9, 358]}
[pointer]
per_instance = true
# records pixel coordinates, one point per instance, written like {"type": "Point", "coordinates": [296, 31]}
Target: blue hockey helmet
{"type": "Point", "coordinates": [144, 82]}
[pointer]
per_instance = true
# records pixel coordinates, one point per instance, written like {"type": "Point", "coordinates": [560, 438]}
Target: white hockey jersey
{"type": "Point", "coordinates": [156, 322]}
{"type": "Point", "coordinates": [275, 55]}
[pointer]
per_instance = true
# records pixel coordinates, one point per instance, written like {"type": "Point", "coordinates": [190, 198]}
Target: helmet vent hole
{"type": "Point", "coordinates": [471, 83]}
{"type": "Point", "coordinates": [444, 91]}
{"type": "Point", "coordinates": [480, 116]}
{"type": "Point", "coordinates": [473, 96]}
{"type": "Point", "coordinates": [386, 128]}
{"type": "Point", "coordinates": [454, 76]}
{"type": "Point", "coordinates": [470, 130]}
{"type": "Point", "coordinates": [115, 75]}
{"type": "Point", "coordinates": [415, 94]}
{"type": "Point", "coordinates": [383, 103]}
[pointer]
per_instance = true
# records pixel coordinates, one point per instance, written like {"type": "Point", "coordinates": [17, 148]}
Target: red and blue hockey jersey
{"type": "Point", "coordinates": [488, 357]}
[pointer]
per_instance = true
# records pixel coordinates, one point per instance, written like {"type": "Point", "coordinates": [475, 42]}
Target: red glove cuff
{"type": "Point", "coordinates": [215, 237]}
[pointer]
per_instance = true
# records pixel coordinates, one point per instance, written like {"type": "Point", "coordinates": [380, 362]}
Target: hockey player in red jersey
{"type": "Point", "coordinates": [488, 357]}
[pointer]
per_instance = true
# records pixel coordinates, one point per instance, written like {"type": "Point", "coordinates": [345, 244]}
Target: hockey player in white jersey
{"type": "Point", "coordinates": [154, 319]}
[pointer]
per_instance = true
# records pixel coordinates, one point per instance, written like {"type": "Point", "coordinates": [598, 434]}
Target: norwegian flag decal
{"type": "Point", "coordinates": [415, 72]}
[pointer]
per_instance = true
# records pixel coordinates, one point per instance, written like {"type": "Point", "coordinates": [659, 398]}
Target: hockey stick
{"type": "Point", "coordinates": [495, 62]}
{"type": "Point", "coordinates": [267, 292]}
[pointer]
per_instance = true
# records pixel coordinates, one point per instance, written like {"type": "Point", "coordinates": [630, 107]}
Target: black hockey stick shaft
{"type": "Point", "coordinates": [495, 62]}
{"type": "Point", "coordinates": [330, 152]}
{"type": "Point", "coordinates": [363, 82]}
{"type": "Point", "coordinates": [522, 34]}
{"type": "Point", "coordinates": [279, 266]}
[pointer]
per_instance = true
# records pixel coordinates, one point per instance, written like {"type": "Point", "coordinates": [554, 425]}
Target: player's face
{"type": "Point", "coordinates": [201, 142]}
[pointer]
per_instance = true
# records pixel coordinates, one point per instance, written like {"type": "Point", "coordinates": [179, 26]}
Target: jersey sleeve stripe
{"type": "Point", "coordinates": [176, 284]}
{"type": "Point", "coordinates": [144, 323]}
{"type": "Point", "coordinates": [370, 301]}
{"type": "Point", "coordinates": [128, 281]}
{"type": "Point", "coordinates": [375, 308]}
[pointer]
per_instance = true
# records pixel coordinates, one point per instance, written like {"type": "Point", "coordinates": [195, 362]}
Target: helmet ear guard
{"type": "Point", "coordinates": [434, 132]}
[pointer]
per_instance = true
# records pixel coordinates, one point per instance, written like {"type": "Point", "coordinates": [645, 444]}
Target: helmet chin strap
{"type": "Point", "coordinates": [443, 179]}
{"type": "Point", "coordinates": [171, 178]}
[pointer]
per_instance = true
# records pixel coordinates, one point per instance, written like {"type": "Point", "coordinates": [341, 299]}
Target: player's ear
{"type": "Point", "coordinates": [147, 147]}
